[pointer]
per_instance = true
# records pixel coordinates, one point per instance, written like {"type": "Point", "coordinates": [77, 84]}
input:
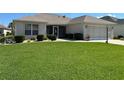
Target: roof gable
{"type": "Point", "coordinates": [90, 19]}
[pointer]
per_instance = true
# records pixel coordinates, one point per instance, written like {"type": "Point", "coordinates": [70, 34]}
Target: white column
{"type": "Point", "coordinates": [53, 30]}
{"type": "Point", "coordinates": [31, 29]}
{"type": "Point", "coordinates": [57, 31]}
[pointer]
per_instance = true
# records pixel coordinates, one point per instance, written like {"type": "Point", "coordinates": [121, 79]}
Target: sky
{"type": "Point", "coordinates": [6, 18]}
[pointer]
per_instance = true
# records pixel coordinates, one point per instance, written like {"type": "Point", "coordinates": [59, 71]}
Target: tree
{"type": "Point", "coordinates": [11, 26]}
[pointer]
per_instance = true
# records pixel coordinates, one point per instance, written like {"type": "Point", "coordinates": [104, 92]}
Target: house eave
{"type": "Point", "coordinates": [29, 21]}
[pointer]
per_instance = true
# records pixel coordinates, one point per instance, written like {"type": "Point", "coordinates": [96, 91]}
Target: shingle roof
{"type": "Point", "coordinates": [45, 17]}
{"type": "Point", "coordinates": [30, 18]}
{"type": "Point", "coordinates": [89, 19]}
{"type": "Point", "coordinates": [113, 19]}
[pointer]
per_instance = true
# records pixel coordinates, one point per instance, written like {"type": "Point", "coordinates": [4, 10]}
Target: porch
{"type": "Point", "coordinates": [56, 30]}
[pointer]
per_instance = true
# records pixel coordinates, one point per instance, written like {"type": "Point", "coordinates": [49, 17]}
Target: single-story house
{"type": "Point", "coordinates": [52, 24]}
{"type": "Point", "coordinates": [4, 30]}
{"type": "Point", "coordinates": [91, 27]}
{"type": "Point", "coordinates": [44, 23]}
{"type": "Point", "coordinates": [118, 28]}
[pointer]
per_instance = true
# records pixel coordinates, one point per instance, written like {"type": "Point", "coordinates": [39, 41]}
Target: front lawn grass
{"type": "Point", "coordinates": [62, 61]}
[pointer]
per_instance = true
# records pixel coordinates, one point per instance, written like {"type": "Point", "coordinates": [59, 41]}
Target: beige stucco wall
{"type": "Point", "coordinates": [74, 28]}
{"type": "Point", "coordinates": [95, 31]}
{"type": "Point", "coordinates": [20, 28]}
{"type": "Point", "coordinates": [98, 31]}
{"type": "Point", "coordinates": [118, 30]}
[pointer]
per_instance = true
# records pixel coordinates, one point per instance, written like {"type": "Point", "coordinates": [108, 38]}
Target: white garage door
{"type": "Point", "coordinates": [97, 32]}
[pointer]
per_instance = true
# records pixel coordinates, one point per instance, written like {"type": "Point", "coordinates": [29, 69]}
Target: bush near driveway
{"type": "Point", "coordinates": [120, 36]}
{"type": "Point", "coordinates": [75, 36]}
{"type": "Point", "coordinates": [78, 36]}
{"type": "Point", "coordinates": [52, 37]}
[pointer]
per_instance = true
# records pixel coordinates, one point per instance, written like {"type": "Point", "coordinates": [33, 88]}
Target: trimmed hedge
{"type": "Point", "coordinates": [78, 36]}
{"type": "Point", "coordinates": [40, 37]}
{"type": "Point", "coordinates": [69, 36]}
{"type": "Point", "coordinates": [19, 39]}
{"type": "Point", "coordinates": [120, 36]}
{"type": "Point", "coordinates": [51, 37]}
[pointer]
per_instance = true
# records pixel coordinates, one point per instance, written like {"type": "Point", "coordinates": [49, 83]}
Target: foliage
{"type": "Point", "coordinates": [19, 39]}
{"type": "Point", "coordinates": [52, 37]}
{"type": "Point", "coordinates": [78, 36]}
{"type": "Point", "coordinates": [70, 36]}
{"type": "Point", "coordinates": [40, 37]}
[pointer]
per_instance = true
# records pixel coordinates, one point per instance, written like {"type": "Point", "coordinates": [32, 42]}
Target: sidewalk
{"type": "Point", "coordinates": [118, 42]}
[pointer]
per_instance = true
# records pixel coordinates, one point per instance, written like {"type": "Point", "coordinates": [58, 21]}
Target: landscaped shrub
{"type": "Point", "coordinates": [2, 39]}
{"type": "Point", "coordinates": [7, 39]}
{"type": "Point", "coordinates": [120, 36]}
{"type": "Point", "coordinates": [19, 39]}
{"type": "Point", "coordinates": [8, 33]}
{"type": "Point", "coordinates": [51, 37]}
{"type": "Point", "coordinates": [1, 35]}
{"type": "Point", "coordinates": [40, 37]}
{"type": "Point", "coordinates": [78, 36]}
{"type": "Point", "coordinates": [115, 37]}
{"type": "Point", "coordinates": [10, 37]}
{"type": "Point", "coordinates": [69, 36]}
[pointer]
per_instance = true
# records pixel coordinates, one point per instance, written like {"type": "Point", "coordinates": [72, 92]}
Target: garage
{"type": "Point", "coordinates": [91, 27]}
{"type": "Point", "coordinates": [98, 32]}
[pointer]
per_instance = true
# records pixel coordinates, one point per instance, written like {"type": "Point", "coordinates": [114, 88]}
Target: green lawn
{"type": "Point", "coordinates": [61, 61]}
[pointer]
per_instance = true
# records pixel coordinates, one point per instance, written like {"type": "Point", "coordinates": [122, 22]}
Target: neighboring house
{"type": "Point", "coordinates": [91, 27]}
{"type": "Point", "coordinates": [4, 30]}
{"type": "Point", "coordinates": [51, 24]}
{"type": "Point", "coordinates": [46, 24]}
{"type": "Point", "coordinates": [119, 27]}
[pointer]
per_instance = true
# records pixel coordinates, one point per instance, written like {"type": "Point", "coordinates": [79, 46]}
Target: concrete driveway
{"type": "Point", "coordinates": [118, 42]}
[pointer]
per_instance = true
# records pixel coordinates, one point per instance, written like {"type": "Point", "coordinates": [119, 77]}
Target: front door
{"type": "Point", "coordinates": [56, 31]}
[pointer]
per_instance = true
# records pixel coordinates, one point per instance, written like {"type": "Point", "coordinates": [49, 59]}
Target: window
{"type": "Point", "coordinates": [31, 29]}
{"type": "Point", "coordinates": [35, 29]}
{"type": "Point", "coordinates": [28, 29]}
{"type": "Point", "coordinates": [49, 30]}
